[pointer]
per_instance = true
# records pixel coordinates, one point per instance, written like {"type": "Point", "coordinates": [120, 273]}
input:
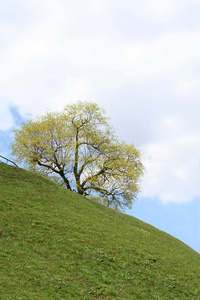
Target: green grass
{"type": "Point", "coordinates": [55, 244]}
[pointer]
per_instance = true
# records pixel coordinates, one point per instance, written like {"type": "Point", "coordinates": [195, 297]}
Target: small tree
{"type": "Point", "coordinates": [79, 149]}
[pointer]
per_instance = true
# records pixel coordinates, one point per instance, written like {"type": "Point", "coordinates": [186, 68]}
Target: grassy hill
{"type": "Point", "coordinates": [55, 244]}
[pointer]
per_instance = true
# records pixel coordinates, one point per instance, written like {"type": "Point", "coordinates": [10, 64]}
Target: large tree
{"type": "Point", "coordinates": [79, 149]}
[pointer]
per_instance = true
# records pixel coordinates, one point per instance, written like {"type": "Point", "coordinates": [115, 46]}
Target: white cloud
{"type": "Point", "coordinates": [173, 164]}
{"type": "Point", "coordinates": [186, 85]}
{"type": "Point", "coordinates": [73, 90]}
{"type": "Point", "coordinates": [159, 7]}
{"type": "Point", "coordinates": [34, 48]}
{"type": "Point", "coordinates": [165, 54]}
{"type": "Point", "coordinates": [73, 50]}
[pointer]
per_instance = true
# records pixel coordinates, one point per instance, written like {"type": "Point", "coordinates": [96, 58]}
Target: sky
{"type": "Point", "coordinates": [140, 61]}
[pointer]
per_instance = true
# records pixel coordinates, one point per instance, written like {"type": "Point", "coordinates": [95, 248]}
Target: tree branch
{"type": "Point", "coordinates": [60, 172]}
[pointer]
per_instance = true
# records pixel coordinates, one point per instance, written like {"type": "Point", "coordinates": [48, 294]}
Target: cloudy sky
{"type": "Point", "coordinates": [138, 59]}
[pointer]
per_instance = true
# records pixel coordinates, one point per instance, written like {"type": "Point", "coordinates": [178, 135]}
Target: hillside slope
{"type": "Point", "coordinates": [56, 244]}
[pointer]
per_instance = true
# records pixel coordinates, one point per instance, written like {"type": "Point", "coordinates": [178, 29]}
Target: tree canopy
{"type": "Point", "coordinates": [79, 149]}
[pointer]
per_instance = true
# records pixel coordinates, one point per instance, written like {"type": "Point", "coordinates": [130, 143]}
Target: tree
{"type": "Point", "coordinates": [79, 149]}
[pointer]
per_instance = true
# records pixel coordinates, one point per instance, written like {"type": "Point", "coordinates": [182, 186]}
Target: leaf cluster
{"type": "Point", "coordinates": [79, 149]}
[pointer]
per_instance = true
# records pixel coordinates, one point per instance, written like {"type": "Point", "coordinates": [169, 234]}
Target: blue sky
{"type": "Point", "coordinates": [140, 61]}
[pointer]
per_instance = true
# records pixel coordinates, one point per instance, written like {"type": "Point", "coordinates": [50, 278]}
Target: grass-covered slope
{"type": "Point", "coordinates": [58, 245]}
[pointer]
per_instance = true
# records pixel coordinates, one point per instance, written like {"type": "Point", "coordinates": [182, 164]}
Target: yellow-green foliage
{"type": "Point", "coordinates": [78, 148]}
